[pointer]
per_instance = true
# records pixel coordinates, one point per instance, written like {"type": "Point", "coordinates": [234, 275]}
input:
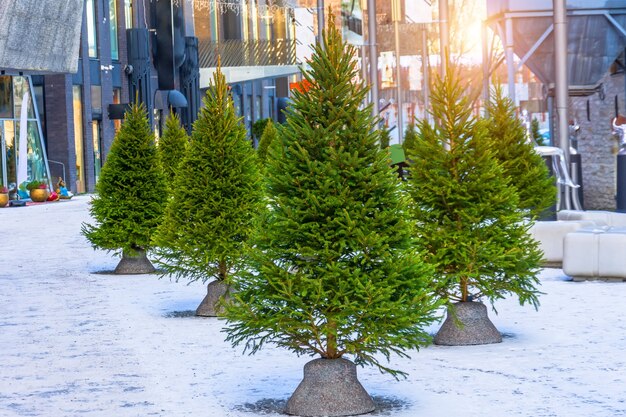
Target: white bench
{"type": "Point", "coordinates": [595, 253]}
{"type": "Point", "coordinates": [550, 235]}
{"type": "Point", "coordinates": [599, 217]}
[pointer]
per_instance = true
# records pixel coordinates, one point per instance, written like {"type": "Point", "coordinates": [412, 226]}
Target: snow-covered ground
{"type": "Point", "coordinates": [77, 342]}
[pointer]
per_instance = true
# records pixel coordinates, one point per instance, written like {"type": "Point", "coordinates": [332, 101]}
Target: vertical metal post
{"type": "Point", "coordinates": [425, 70]}
{"type": "Point", "coordinates": [561, 83]}
{"type": "Point", "coordinates": [444, 36]}
{"type": "Point", "coordinates": [396, 15]}
{"type": "Point", "coordinates": [486, 62]}
{"type": "Point", "coordinates": [320, 22]}
{"type": "Point", "coordinates": [510, 64]}
{"type": "Point", "coordinates": [371, 31]}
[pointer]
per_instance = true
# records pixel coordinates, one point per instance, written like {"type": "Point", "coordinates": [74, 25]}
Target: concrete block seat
{"type": "Point", "coordinates": [550, 235]}
{"type": "Point", "coordinates": [609, 218]}
{"type": "Point", "coordinates": [595, 253]}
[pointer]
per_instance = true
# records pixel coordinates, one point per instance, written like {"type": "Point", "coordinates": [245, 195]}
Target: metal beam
{"type": "Point", "coordinates": [615, 23]}
{"type": "Point", "coordinates": [535, 46]}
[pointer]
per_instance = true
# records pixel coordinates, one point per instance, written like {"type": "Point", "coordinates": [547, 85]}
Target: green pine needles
{"type": "Point", "coordinates": [334, 271]}
{"type": "Point", "coordinates": [128, 204]}
{"type": "Point", "coordinates": [410, 137]}
{"type": "Point", "coordinates": [469, 222]}
{"type": "Point", "coordinates": [172, 147]}
{"type": "Point", "coordinates": [216, 195]}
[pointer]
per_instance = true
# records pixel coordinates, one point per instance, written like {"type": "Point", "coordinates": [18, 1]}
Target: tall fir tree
{"type": "Point", "coordinates": [334, 269]}
{"type": "Point", "coordinates": [216, 194]}
{"type": "Point", "coordinates": [528, 173]}
{"type": "Point", "coordinates": [384, 138]}
{"type": "Point", "coordinates": [171, 147]}
{"type": "Point", "coordinates": [128, 204]}
{"type": "Point", "coordinates": [267, 138]}
{"type": "Point", "coordinates": [535, 133]}
{"type": "Point", "coordinates": [468, 218]}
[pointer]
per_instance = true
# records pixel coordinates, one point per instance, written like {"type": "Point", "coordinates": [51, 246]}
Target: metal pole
{"type": "Point", "coordinates": [396, 15]}
{"type": "Point", "coordinates": [371, 30]}
{"type": "Point", "coordinates": [561, 85]}
{"type": "Point", "coordinates": [486, 62]}
{"type": "Point", "coordinates": [425, 70]}
{"type": "Point", "coordinates": [510, 64]}
{"type": "Point", "coordinates": [320, 22]}
{"type": "Point", "coordinates": [444, 36]}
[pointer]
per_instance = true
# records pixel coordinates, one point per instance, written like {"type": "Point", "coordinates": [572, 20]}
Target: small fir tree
{"type": "Point", "coordinates": [536, 134]}
{"type": "Point", "coordinates": [384, 137]}
{"type": "Point", "coordinates": [216, 193]}
{"type": "Point", "coordinates": [334, 272]}
{"type": "Point", "coordinates": [171, 147]}
{"type": "Point", "coordinates": [128, 204]}
{"type": "Point", "coordinates": [468, 218]}
{"type": "Point", "coordinates": [528, 173]}
{"type": "Point", "coordinates": [267, 138]}
{"type": "Point", "coordinates": [410, 137]}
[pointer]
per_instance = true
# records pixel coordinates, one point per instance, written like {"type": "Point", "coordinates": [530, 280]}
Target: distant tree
{"type": "Point", "coordinates": [384, 137]}
{"type": "Point", "coordinates": [534, 130]}
{"type": "Point", "coordinates": [171, 147]}
{"type": "Point", "coordinates": [258, 127]}
{"type": "Point", "coordinates": [216, 195]}
{"type": "Point", "coordinates": [267, 138]}
{"type": "Point", "coordinates": [410, 137]}
{"type": "Point", "coordinates": [128, 204]}
{"type": "Point", "coordinates": [528, 173]}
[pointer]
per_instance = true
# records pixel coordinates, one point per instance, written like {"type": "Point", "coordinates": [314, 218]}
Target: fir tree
{"type": "Point", "coordinates": [469, 224]}
{"type": "Point", "coordinates": [334, 269]}
{"type": "Point", "coordinates": [215, 196]}
{"type": "Point", "coordinates": [410, 137]}
{"type": "Point", "coordinates": [172, 147]}
{"type": "Point", "coordinates": [267, 138]}
{"type": "Point", "coordinates": [384, 137]}
{"type": "Point", "coordinates": [128, 204]}
{"type": "Point", "coordinates": [534, 131]}
{"type": "Point", "coordinates": [528, 173]}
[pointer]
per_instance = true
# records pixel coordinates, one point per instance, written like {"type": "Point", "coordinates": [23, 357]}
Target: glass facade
{"type": "Point", "coordinates": [14, 145]}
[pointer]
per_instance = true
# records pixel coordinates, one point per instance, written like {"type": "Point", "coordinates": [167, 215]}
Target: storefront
{"type": "Point", "coordinates": [22, 153]}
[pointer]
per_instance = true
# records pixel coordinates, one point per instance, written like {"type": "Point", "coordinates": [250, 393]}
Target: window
{"type": "Point", "coordinates": [115, 51]}
{"type": "Point", "coordinates": [92, 35]}
{"type": "Point", "coordinates": [128, 13]}
{"type": "Point", "coordinates": [96, 99]}
{"type": "Point", "coordinates": [97, 160]}
{"type": "Point", "coordinates": [6, 97]}
{"type": "Point", "coordinates": [78, 138]}
{"type": "Point", "coordinates": [117, 99]}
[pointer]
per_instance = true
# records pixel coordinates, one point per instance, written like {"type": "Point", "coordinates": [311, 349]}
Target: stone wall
{"type": "Point", "coordinates": [596, 144]}
{"type": "Point", "coordinates": [40, 35]}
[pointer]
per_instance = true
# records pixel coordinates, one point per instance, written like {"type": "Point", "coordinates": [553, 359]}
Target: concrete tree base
{"type": "Point", "coordinates": [209, 306]}
{"type": "Point", "coordinates": [330, 388]}
{"type": "Point", "coordinates": [137, 263]}
{"type": "Point", "coordinates": [467, 324]}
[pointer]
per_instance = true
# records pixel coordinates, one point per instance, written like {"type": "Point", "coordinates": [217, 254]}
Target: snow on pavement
{"type": "Point", "coordinates": [78, 342]}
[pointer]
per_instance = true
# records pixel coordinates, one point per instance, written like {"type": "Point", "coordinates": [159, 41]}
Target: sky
{"type": "Point", "coordinates": [78, 341]}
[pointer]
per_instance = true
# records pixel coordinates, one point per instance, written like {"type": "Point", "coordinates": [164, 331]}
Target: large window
{"type": "Point", "coordinates": [115, 51]}
{"type": "Point", "coordinates": [78, 138]}
{"type": "Point", "coordinates": [92, 34]}
{"type": "Point", "coordinates": [22, 154]}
